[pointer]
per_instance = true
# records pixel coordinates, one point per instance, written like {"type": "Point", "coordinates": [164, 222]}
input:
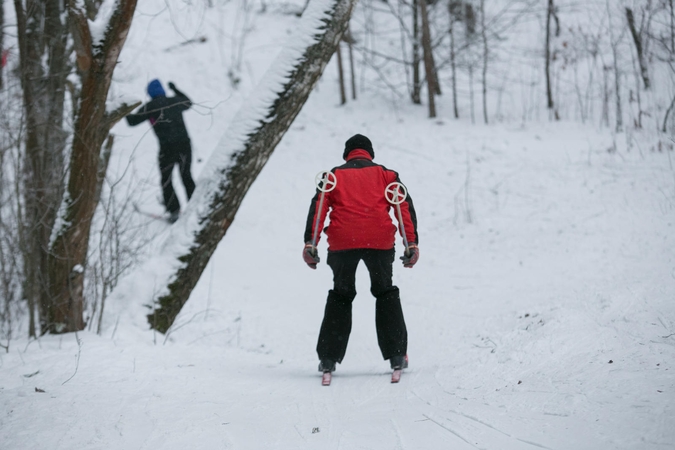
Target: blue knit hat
{"type": "Point", "coordinates": [155, 89]}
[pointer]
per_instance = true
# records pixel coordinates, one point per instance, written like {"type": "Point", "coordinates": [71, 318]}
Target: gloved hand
{"type": "Point", "coordinates": [411, 258]}
{"type": "Point", "coordinates": [172, 86]}
{"type": "Point", "coordinates": [310, 256]}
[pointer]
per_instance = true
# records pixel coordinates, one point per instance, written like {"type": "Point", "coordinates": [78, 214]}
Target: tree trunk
{"type": "Point", "coordinates": [453, 67]}
{"type": "Point", "coordinates": [96, 62]}
{"type": "Point", "coordinates": [428, 61]}
{"type": "Point", "coordinates": [42, 37]}
{"type": "Point", "coordinates": [417, 84]}
{"type": "Point", "coordinates": [672, 26]}
{"type": "Point", "coordinates": [341, 75]}
{"type": "Point", "coordinates": [665, 119]}
{"type": "Point", "coordinates": [605, 96]}
{"type": "Point", "coordinates": [350, 43]}
{"type": "Point", "coordinates": [2, 36]}
{"type": "Point", "coordinates": [221, 194]}
{"type": "Point", "coordinates": [550, 13]}
{"type": "Point", "coordinates": [617, 72]}
{"type": "Point", "coordinates": [471, 96]}
{"type": "Point", "coordinates": [485, 60]}
{"type": "Point", "coordinates": [637, 39]}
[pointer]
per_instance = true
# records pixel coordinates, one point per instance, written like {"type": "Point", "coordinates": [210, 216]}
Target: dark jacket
{"type": "Point", "coordinates": [166, 117]}
{"type": "Point", "coordinates": [359, 210]}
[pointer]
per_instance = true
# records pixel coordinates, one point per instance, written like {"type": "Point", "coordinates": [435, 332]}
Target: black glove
{"type": "Point", "coordinates": [410, 258]}
{"type": "Point", "coordinates": [310, 256]}
{"type": "Point", "coordinates": [172, 86]}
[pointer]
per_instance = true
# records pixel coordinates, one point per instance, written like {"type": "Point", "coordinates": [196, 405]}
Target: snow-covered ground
{"type": "Point", "coordinates": [541, 313]}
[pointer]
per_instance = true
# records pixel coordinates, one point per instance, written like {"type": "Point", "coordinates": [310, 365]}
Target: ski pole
{"type": "Point", "coordinates": [396, 194]}
{"type": "Point", "coordinates": [325, 182]}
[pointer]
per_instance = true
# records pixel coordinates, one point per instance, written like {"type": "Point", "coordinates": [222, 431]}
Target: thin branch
{"type": "Point", "coordinates": [77, 364]}
{"type": "Point", "coordinates": [112, 117]}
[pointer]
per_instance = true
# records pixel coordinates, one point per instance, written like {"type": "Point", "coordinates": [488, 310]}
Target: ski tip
{"type": "Point", "coordinates": [326, 379]}
{"type": "Point", "coordinates": [396, 376]}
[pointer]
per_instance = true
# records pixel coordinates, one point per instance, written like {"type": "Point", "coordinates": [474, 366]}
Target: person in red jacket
{"type": "Point", "coordinates": [361, 229]}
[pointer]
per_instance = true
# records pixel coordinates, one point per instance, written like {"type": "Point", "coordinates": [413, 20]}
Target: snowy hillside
{"type": "Point", "coordinates": [541, 313]}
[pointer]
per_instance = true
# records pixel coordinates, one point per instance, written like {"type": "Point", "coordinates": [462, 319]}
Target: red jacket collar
{"type": "Point", "coordinates": [359, 153]}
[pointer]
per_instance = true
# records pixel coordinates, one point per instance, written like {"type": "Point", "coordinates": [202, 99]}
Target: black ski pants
{"type": "Point", "coordinates": [170, 154]}
{"type": "Point", "coordinates": [392, 335]}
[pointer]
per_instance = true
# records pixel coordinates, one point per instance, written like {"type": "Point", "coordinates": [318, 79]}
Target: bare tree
{"type": "Point", "coordinates": [96, 61]}
{"type": "Point", "coordinates": [617, 71]}
{"type": "Point", "coordinates": [550, 14]}
{"type": "Point", "coordinates": [341, 75]}
{"type": "Point", "coordinates": [428, 61]}
{"type": "Point", "coordinates": [2, 36]}
{"type": "Point", "coordinates": [349, 39]}
{"type": "Point", "coordinates": [42, 35]}
{"type": "Point", "coordinates": [664, 128]}
{"type": "Point", "coordinates": [637, 40]}
{"type": "Point", "coordinates": [485, 59]}
{"type": "Point", "coordinates": [672, 25]}
{"type": "Point", "coordinates": [453, 56]}
{"type": "Point", "coordinates": [12, 307]}
{"type": "Point", "coordinates": [416, 83]}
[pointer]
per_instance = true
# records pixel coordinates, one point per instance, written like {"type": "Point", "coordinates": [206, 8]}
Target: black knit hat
{"type": "Point", "coordinates": [358, 141]}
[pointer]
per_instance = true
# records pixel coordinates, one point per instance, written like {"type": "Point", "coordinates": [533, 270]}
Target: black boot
{"type": "Point", "coordinates": [399, 362]}
{"type": "Point", "coordinates": [327, 365]}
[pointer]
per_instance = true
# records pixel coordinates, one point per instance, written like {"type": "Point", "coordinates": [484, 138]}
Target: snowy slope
{"type": "Point", "coordinates": [540, 314]}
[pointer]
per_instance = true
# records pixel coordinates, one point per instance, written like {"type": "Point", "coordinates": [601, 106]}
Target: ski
{"type": "Point", "coordinates": [326, 378]}
{"type": "Point", "coordinates": [396, 375]}
{"type": "Point", "coordinates": [398, 363]}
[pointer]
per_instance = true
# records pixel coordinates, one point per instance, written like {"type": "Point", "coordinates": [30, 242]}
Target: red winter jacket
{"type": "Point", "coordinates": [359, 211]}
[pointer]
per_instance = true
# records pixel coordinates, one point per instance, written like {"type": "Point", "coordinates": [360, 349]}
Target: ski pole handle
{"type": "Point", "coordinates": [396, 193]}
{"type": "Point", "coordinates": [325, 182]}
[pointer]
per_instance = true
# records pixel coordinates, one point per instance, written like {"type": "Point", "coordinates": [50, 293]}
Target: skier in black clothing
{"type": "Point", "coordinates": [360, 229]}
{"type": "Point", "coordinates": [166, 117]}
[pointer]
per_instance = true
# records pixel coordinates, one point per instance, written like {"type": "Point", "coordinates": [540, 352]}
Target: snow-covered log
{"type": "Point", "coordinates": [167, 280]}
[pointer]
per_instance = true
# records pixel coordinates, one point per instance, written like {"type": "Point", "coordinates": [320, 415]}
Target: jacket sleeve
{"type": "Point", "coordinates": [409, 218]}
{"type": "Point", "coordinates": [313, 212]}
{"type": "Point", "coordinates": [410, 221]}
{"type": "Point", "coordinates": [181, 101]}
{"type": "Point", "coordinates": [312, 217]}
{"type": "Point", "coordinates": [139, 117]}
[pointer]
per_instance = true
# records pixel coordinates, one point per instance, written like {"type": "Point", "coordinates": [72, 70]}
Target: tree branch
{"type": "Point", "coordinates": [81, 37]}
{"type": "Point", "coordinates": [112, 117]}
{"type": "Point", "coordinates": [116, 33]}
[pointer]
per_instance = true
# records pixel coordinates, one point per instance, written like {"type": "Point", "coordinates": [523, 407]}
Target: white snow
{"type": "Point", "coordinates": [99, 26]}
{"type": "Point", "coordinates": [540, 314]}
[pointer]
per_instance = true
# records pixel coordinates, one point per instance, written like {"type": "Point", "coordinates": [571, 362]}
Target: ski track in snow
{"type": "Point", "coordinates": [540, 315]}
